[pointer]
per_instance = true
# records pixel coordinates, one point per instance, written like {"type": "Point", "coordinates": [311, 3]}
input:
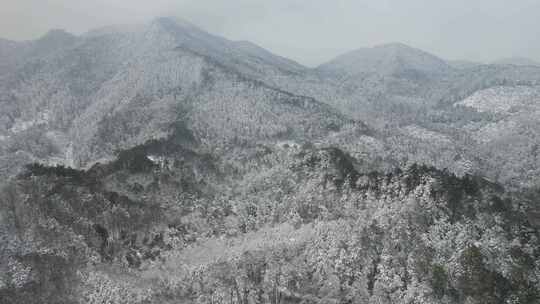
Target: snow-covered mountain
{"type": "Point", "coordinates": [507, 138]}
{"type": "Point", "coordinates": [387, 59]}
{"type": "Point", "coordinates": [76, 99]}
{"type": "Point", "coordinates": [158, 163]}
{"type": "Point", "coordinates": [118, 87]}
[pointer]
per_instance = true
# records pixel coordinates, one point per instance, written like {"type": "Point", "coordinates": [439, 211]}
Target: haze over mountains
{"type": "Point", "coordinates": [158, 163]}
{"type": "Point", "coordinates": [517, 61]}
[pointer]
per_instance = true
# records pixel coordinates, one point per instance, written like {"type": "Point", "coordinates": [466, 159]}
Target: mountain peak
{"type": "Point", "coordinates": [175, 22]}
{"type": "Point", "coordinates": [52, 41]}
{"type": "Point", "coordinates": [393, 45]}
{"type": "Point", "coordinates": [57, 34]}
{"type": "Point", "coordinates": [240, 55]}
{"type": "Point", "coordinates": [386, 59]}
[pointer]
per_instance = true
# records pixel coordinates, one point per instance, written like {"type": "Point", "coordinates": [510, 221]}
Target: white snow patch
{"type": "Point", "coordinates": [162, 161]}
{"type": "Point", "coordinates": [502, 99]}
{"type": "Point", "coordinates": [23, 125]}
{"type": "Point", "coordinates": [288, 144]}
{"type": "Point", "coordinates": [425, 134]}
{"type": "Point", "coordinates": [67, 159]}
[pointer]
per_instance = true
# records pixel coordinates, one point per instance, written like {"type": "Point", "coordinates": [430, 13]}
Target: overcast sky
{"type": "Point", "coordinates": [309, 31]}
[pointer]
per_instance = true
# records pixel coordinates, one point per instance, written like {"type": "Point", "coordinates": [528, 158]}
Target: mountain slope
{"type": "Point", "coordinates": [463, 64]}
{"type": "Point", "coordinates": [509, 139]}
{"type": "Point", "coordinates": [415, 110]}
{"type": "Point", "coordinates": [117, 88]}
{"type": "Point", "coordinates": [303, 225]}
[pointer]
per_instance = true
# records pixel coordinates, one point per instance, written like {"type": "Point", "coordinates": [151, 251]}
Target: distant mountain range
{"type": "Point", "coordinates": [158, 163]}
{"type": "Point", "coordinates": [518, 61]}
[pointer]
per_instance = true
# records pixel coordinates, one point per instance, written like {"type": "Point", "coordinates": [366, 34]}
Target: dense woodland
{"type": "Point", "coordinates": [308, 228]}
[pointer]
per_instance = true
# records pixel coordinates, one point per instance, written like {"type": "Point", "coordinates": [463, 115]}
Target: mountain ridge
{"type": "Point", "coordinates": [519, 61]}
